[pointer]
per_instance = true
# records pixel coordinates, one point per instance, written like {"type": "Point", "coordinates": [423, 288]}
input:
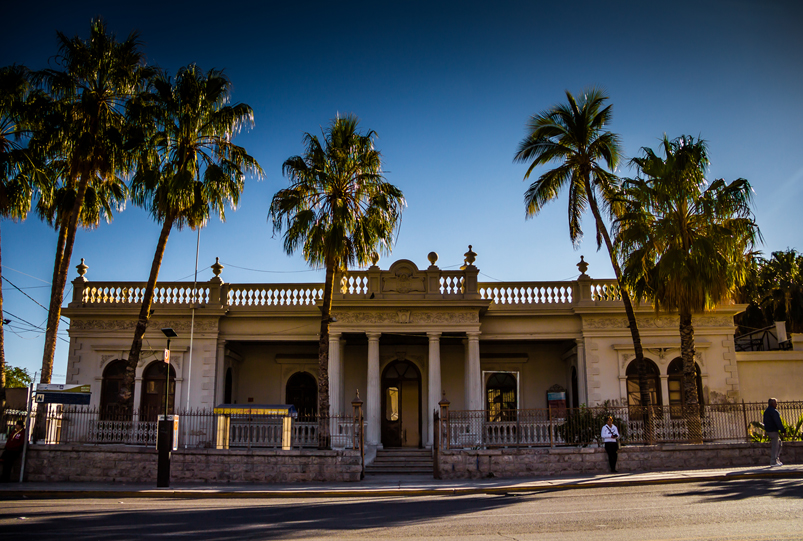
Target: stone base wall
{"type": "Point", "coordinates": [120, 464]}
{"type": "Point", "coordinates": [542, 462]}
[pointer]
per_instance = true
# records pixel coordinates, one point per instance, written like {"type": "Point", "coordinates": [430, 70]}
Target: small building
{"type": "Point", "coordinates": [402, 336]}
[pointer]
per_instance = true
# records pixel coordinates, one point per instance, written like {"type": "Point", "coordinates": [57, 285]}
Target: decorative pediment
{"type": "Point", "coordinates": [403, 277]}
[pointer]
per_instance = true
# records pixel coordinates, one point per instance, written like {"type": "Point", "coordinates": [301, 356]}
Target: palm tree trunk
{"type": "Point", "coordinates": [61, 268]}
{"type": "Point", "coordinates": [324, 437]}
{"type": "Point", "coordinates": [631, 320]}
{"type": "Point", "coordinates": [691, 408]}
{"type": "Point", "coordinates": [2, 354]}
{"type": "Point", "coordinates": [126, 395]}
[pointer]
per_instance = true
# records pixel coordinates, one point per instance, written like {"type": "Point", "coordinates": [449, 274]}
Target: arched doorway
{"type": "Point", "coordinates": [677, 399]}
{"type": "Point", "coordinates": [152, 403]}
{"type": "Point", "coordinates": [302, 392]}
{"type": "Point", "coordinates": [401, 405]}
{"type": "Point", "coordinates": [110, 391]}
{"type": "Point", "coordinates": [653, 383]}
{"type": "Point", "coordinates": [501, 394]}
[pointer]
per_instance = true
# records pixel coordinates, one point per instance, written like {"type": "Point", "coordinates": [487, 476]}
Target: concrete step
{"type": "Point", "coordinates": [401, 461]}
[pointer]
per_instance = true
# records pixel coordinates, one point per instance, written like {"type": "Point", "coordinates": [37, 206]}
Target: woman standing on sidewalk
{"type": "Point", "coordinates": [610, 435]}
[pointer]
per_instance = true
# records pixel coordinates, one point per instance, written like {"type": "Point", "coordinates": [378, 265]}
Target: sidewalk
{"type": "Point", "coordinates": [390, 485]}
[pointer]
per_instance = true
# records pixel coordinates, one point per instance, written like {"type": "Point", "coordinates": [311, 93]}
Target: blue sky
{"type": "Point", "coordinates": [448, 87]}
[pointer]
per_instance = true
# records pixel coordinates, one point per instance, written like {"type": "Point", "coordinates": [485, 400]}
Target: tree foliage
{"type": "Point", "coordinates": [338, 210]}
{"type": "Point", "coordinates": [17, 377]}
{"type": "Point", "coordinates": [574, 137]}
{"type": "Point", "coordinates": [684, 242]}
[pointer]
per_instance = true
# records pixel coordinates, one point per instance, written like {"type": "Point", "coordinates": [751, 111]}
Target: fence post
{"type": "Point", "coordinates": [746, 426]}
{"type": "Point", "coordinates": [444, 418]}
{"type": "Point", "coordinates": [436, 427]}
{"type": "Point", "coordinates": [551, 440]}
{"type": "Point", "coordinates": [356, 406]}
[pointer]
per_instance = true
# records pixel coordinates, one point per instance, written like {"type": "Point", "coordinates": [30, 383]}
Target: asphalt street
{"type": "Point", "coordinates": [739, 509]}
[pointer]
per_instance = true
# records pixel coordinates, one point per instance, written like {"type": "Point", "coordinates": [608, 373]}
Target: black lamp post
{"type": "Point", "coordinates": [164, 433]}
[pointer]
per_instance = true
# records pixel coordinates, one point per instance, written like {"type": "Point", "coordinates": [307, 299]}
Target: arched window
{"type": "Point", "coordinates": [653, 384]}
{"type": "Point", "coordinates": [501, 391]}
{"type": "Point", "coordinates": [152, 403]}
{"type": "Point", "coordinates": [302, 392]}
{"type": "Point", "coordinates": [110, 390]}
{"type": "Point", "coordinates": [677, 398]}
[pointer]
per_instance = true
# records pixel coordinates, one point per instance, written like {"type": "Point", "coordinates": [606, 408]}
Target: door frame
{"type": "Point", "coordinates": [383, 390]}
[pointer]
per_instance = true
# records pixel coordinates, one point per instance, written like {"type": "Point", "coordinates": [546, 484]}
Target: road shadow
{"type": "Point", "coordinates": [742, 489]}
{"type": "Point", "coordinates": [279, 519]}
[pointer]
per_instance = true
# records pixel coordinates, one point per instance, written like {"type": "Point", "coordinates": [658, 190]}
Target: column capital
{"type": "Point", "coordinates": [334, 335]}
{"type": "Point", "coordinates": [473, 335]}
{"type": "Point", "coordinates": [434, 335]}
{"type": "Point", "coordinates": [373, 336]}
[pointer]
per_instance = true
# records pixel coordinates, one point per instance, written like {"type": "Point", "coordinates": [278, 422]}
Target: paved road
{"type": "Point", "coordinates": [749, 509]}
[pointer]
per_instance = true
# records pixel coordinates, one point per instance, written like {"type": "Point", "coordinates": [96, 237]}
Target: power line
{"type": "Point", "coordinates": [28, 275]}
{"type": "Point", "coordinates": [34, 300]}
{"type": "Point", "coordinates": [268, 271]}
{"type": "Point", "coordinates": [32, 325]}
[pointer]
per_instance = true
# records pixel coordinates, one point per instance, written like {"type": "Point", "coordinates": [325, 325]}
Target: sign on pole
{"type": "Point", "coordinates": [60, 393]}
{"type": "Point", "coordinates": [167, 356]}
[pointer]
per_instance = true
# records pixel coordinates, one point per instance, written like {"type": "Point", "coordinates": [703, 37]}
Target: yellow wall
{"type": "Point", "coordinates": [765, 374]}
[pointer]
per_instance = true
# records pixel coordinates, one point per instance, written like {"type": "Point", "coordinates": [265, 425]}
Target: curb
{"type": "Point", "coordinates": [368, 493]}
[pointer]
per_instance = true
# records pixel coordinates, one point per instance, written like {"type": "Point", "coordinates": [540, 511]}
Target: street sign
{"type": "Point", "coordinates": [167, 356]}
{"type": "Point", "coordinates": [60, 393]}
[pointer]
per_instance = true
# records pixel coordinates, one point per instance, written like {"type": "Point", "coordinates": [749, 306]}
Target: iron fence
{"type": "Point", "coordinates": [198, 429]}
{"type": "Point", "coordinates": [721, 423]}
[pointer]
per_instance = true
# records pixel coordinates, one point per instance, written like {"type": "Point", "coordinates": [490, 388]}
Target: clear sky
{"type": "Point", "coordinates": [448, 87]}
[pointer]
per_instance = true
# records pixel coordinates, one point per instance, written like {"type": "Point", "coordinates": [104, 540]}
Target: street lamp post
{"type": "Point", "coordinates": [164, 433]}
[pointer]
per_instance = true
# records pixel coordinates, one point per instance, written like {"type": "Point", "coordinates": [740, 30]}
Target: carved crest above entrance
{"type": "Point", "coordinates": [403, 277]}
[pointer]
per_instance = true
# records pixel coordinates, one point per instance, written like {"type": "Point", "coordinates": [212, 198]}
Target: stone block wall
{"type": "Point", "coordinates": [121, 464]}
{"type": "Point", "coordinates": [543, 462]}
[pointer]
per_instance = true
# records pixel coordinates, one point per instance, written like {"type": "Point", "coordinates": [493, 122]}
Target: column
{"type": "Point", "coordinates": [664, 390]}
{"type": "Point", "coordinates": [473, 375]}
{"type": "Point", "coordinates": [335, 406]}
{"type": "Point", "coordinates": [434, 382]}
{"type": "Point", "coordinates": [343, 395]}
{"type": "Point", "coordinates": [373, 397]}
{"type": "Point", "coordinates": [582, 378]}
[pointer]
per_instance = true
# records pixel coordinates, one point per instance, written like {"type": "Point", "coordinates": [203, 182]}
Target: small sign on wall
{"type": "Point", "coordinates": [556, 400]}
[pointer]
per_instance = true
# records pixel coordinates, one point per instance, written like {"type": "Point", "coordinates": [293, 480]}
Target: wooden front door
{"type": "Point", "coordinates": [401, 405]}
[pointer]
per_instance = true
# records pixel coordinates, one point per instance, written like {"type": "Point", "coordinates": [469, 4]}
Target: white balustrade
{"type": "Point", "coordinates": [527, 292]}
{"type": "Point", "coordinates": [452, 282]}
{"type": "Point", "coordinates": [262, 295]}
{"type": "Point", "coordinates": [163, 293]}
{"type": "Point", "coordinates": [605, 290]}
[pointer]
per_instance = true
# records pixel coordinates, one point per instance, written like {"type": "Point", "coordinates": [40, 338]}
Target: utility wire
{"type": "Point", "coordinates": [267, 271]}
{"type": "Point", "coordinates": [34, 300]}
{"type": "Point", "coordinates": [32, 325]}
{"type": "Point", "coordinates": [28, 275]}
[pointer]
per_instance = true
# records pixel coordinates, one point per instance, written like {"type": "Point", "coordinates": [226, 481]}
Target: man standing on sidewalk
{"type": "Point", "coordinates": [774, 428]}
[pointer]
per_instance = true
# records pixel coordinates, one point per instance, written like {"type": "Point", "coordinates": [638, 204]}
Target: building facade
{"type": "Point", "coordinates": [403, 337]}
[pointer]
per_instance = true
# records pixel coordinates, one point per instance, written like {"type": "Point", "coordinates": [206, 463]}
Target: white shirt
{"type": "Point", "coordinates": [608, 433]}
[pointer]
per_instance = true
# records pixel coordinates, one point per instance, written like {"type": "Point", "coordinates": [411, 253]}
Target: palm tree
{"type": "Point", "coordinates": [188, 167]}
{"type": "Point", "coordinates": [85, 132]}
{"type": "Point", "coordinates": [574, 136]}
{"type": "Point", "coordinates": [339, 210]}
{"type": "Point", "coordinates": [781, 278]}
{"type": "Point", "coordinates": [19, 174]}
{"type": "Point", "coordinates": [684, 241]}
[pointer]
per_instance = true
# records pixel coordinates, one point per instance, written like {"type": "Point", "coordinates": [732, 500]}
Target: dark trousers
{"type": "Point", "coordinates": [9, 458]}
{"type": "Point", "coordinates": [612, 448]}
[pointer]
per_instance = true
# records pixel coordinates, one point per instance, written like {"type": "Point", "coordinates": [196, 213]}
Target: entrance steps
{"type": "Point", "coordinates": [401, 461]}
